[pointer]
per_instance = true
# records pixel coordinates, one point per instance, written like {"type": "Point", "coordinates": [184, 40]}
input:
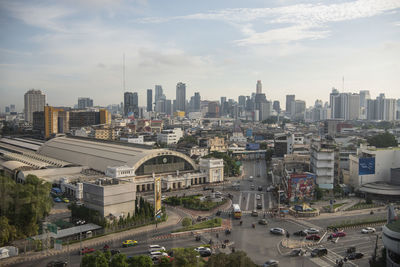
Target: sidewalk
{"type": "Point", "coordinates": [173, 219]}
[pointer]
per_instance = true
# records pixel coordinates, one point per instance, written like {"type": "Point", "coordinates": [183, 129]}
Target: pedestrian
{"type": "Point", "coordinates": [264, 215]}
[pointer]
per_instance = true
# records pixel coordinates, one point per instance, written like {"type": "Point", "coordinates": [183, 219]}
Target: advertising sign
{"type": "Point", "coordinates": [157, 196]}
{"type": "Point", "coordinates": [301, 187]}
{"type": "Point", "coordinates": [366, 166]}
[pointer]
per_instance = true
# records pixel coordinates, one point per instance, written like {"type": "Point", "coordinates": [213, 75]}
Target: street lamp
{"type": "Point", "coordinates": [80, 223]}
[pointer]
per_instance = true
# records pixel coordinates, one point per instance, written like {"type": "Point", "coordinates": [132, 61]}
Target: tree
{"type": "Point", "coordinates": [7, 232]}
{"type": "Point", "coordinates": [319, 193]}
{"type": "Point", "coordinates": [101, 260]}
{"type": "Point", "coordinates": [230, 166]}
{"type": "Point", "coordinates": [186, 222]}
{"type": "Point", "coordinates": [235, 259]}
{"type": "Point", "coordinates": [89, 260]}
{"type": "Point", "coordinates": [140, 261]}
{"type": "Point", "coordinates": [165, 262]}
{"type": "Point", "coordinates": [383, 140]}
{"type": "Point", "coordinates": [185, 257]}
{"type": "Point", "coordinates": [119, 260]}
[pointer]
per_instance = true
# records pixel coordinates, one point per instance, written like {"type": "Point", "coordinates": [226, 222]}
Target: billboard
{"type": "Point", "coordinates": [157, 196]}
{"type": "Point", "coordinates": [301, 187]}
{"type": "Point", "coordinates": [366, 166]}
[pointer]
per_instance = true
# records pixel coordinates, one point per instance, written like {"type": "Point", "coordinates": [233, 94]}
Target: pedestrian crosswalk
{"type": "Point", "coordinates": [251, 200]}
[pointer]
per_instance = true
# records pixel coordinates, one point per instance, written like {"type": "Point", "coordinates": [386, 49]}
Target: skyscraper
{"type": "Point", "coordinates": [289, 103]}
{"type": "Point", "coordinates": [128, 103]}
{"type": "Point", "coordinates": [149, 100]}
{"type": "Point", "coordinates": [258, 87]}
{"type": "Point", "coordinates": [197, 100]}
{"type": "Point", "coordinates": [158, 93]}
{"type": "Point", "coordinates": [85, 102]}
{"type": "Point", "coordinates": [180, 97]}
{"type": "Point", "coordinates": [34, 100]}
{"type": "Point", "coordinates": [242, 101]}
{"type": "Point", "coordinates": [277, 106]}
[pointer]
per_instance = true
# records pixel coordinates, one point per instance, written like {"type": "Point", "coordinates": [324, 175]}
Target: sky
{"type": "Point", "coordinates": [75, 48]}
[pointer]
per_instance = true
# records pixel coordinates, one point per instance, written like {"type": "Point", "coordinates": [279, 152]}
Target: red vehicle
{"type": "Point", "coordinates": [338, 234]}
{"type": "Point", "coordinates": [87, 250]}
{"type": "Point", "coordinates": [313, 237]}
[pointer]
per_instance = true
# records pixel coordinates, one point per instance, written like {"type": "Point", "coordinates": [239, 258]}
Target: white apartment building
{"type": "Point", "coordinates": [34, 100]}
{"type": "Point", "coordinates": [170, 136]}
{"type": "Point", "coordinates": [385, 159]}
{"type": "Point", "coordinates": [322, 163]}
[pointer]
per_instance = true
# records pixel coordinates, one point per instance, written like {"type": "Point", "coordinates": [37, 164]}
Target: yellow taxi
{"type": "Point", "coordinates": [129, 243]}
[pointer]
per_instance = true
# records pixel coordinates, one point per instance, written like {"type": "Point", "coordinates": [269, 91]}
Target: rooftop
{"type": "Point", "coordinates": [394, 226]}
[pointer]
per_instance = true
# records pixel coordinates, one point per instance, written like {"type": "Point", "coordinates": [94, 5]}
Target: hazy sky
{"type": "Point", "coordinates": [220, 48]}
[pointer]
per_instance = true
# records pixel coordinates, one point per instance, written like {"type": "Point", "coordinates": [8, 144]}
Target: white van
{"type": "Point", "coordinates": [155, 248]}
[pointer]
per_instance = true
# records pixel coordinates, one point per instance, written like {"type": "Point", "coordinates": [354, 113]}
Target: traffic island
{"type": "Point", "coordinates": [313, 212]}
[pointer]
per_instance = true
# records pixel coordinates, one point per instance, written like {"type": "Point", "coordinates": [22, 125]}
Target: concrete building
{"type": "Point", "coordinates": [34, 100]}
{"type": "Point", "coordinates": [391, 238]}
{"type": "Point", "coordinates": [181, 97]}
{"type": "Point", "coordinates": [111, 197]}
{"type": "Point", "coordinates": [289, 103]}
{"type": "Point", "coordinates": [381, 161]}
{"type": "Point", "coordinates": [280, 144]}
{"type": "Point", "coordinates": [149, 100]}
{"type": "Point", "coordinates": [56, 120]}
{"type": "Point", "coordinates": [322, 162]}
{"type": "Point", "coordinates": [217, 144]}
{"type": "Point", "coordinates": [170, 136]}
{"type": "Point", "coordinates": [85, 102]}
{"type": "Point", "coordinates": [214, 168]}
{"type": "Point", "coordinates": [259, 87]}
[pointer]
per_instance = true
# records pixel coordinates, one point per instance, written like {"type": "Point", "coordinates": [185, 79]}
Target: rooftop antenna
{"type": "Point", "coordinates": [123, 70]}
{"type": "Point", "coordinates": [343, 84]}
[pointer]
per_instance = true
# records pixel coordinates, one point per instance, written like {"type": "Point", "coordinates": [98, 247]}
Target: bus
{"type": "Point", "coordinates": [237, 213]}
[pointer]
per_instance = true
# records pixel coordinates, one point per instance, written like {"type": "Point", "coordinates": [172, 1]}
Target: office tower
{"type": "Point", "coordinates": [160, 106]}
{"type": "Point", "coordinates": [34, 100]}
{"type": "Point", "coordinates": [180, 97]}
{"type": "Point", "coordinates": [149, 100]}
{"type": "Point", "coordinates": [299, 109]}
{"type": "Point", "coordinates": [168, 107]}
{"type": "Point", "coordinates": [345, 106]}
{"type": "Point", "coordinates": [364, 96]}
{"type": "Point", "coordinates": [289, 102]}
{"type": "Point", "coordinates": [128, 103]}
{"type": "Point", "coordinates": [335, 105]}
{"type": "Point", "coordinates": [213, 109]}
{"type": "Point", "coordinates": [174, 105]}
{"type": "Point", "coordinates": [259, 87]}
{"type": "Point", "coordinates": [85, 102]}
{"type": "Point", "coordinates": [56, 120]}
{"type": "Point", "coordinates": [353, 107]}
{"type": "Point", "coordinates": [158, 93]}
{"type": "Point", "coordinates": [265, 110]}
{"type": "Point", "coordinates": [196, 101]}
{"type": "Point", "coordinates": [12, 108]}
{"type": "Point", "coordinates": [242, 101]}
{"type": "Point", "coordinates": [7, 110]}
{"type": "Point", "coordinates": [277, 106]}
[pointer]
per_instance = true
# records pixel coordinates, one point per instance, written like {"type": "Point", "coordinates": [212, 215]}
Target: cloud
{"type": "Point", "coordinates": [295, 22]}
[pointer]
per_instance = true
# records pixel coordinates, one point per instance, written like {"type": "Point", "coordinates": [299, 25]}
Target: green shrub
{"type": "Point", "coordinates": [186, 222]}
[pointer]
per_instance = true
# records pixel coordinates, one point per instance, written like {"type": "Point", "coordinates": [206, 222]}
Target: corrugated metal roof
{"type": "Point", "coordinates": [13, 164]}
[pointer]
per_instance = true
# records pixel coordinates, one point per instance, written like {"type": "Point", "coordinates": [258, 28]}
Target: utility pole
{"type": "Point", "coordinates": [376, 248]}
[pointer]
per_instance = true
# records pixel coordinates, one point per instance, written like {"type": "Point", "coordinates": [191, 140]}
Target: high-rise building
{"type": "Point", "coordinates": [242, 101]}
{"type": "Point", "coordinates": [259, 87]}
{"type": "Point", "coordinates": [168, 107]}
{"type": "Point", "coordinates": [276, 106]}
{"type": "Point", "coordinates": [130, 103]}
{"type": "Point", "coordinates": [180, 97]}
{"type": "Point", "coordinates": [213, 109]}
{"type": "Point", "coordinates": [149, 100]}
{"type": "Point", "coordinates": [56, 120]}
{"type": "Point", "coordinates": [289, 103]}
{"type": "Point", "coordinates": [265, 110]}
{"type": "Point", "coordinates": [7, 110]}
{"type": "Point", "coordinates": [364, 96]}
{"type": "Point", "coordinates": [345, 106]}
{"type": "Point", "coordinates": [34, 100]}
{"type": "Point", "coordinates": [85, 102]}
{"type": "Point", "coordinates": [158, 93]}
{"type": "Point", "coordinates": [299, 109]}
{"type": "Point", "coordinates": [196, 101]}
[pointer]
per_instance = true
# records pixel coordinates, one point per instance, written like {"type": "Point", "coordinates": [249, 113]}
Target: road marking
{"type": "Point", "coordinates": [240, 199]}
{"type": "Point", "coordinates": [262, 199]}
{"type": "Point", "coordinates": [247, 202]}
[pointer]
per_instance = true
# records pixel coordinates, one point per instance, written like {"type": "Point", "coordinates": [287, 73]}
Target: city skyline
{"type": "Point", "coordinates": [293, 48]}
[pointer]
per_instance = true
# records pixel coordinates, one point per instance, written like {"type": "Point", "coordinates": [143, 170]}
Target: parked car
{"type": "Point", "coordinates": [157, 255]}
{"type": "Point", "coordinates": [311, 231]}
{"type": "Point", "coordinates": [129, 243]}
{"type": "Point", "coordinates": [277, 231]}
{"type": "Point", "coordinates": [355, 256]}
{"type": "Point", "coordinates": [57, 263]}
{"type": "Point", "coordinates": [338, 234]}
{"type": "Point", "coordinates": [263, 222]}
{"type": "Point", "coordinates": [297, 252]}
{"type": "Point", "coordinates": [318, 252]}
{"type": "Point", "coordinates": [66, 200]}
{"type": "Point", "coordinates": [259, 206]}
{"type": "Point", "coordinates": [368, 230]}
{"type": "Point", "coordinates": [87, 250]}
{"type": "Point", "coordinates": [313, 237]}
{"type": "Point", "coordinates": [271, 263]}
{"type": "Point", "coordinates": [300, 233]}
{"type": "Point", "coordinates": [251, 178]}
{"type": "Point", "coordinates": [254, 213]}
